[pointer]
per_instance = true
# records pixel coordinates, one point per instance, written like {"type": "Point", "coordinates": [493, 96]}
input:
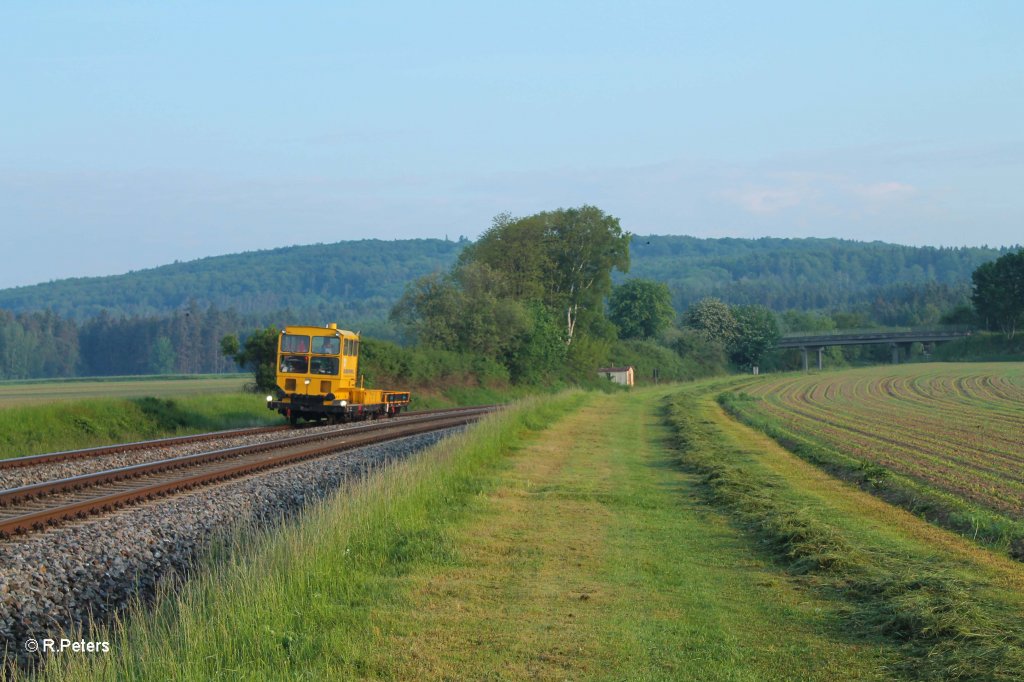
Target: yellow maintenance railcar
{"type": "Point", "coordinates": [318, 379]}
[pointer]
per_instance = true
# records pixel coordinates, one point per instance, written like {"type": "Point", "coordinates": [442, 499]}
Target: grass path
{"type": "Point", "coordinates": [592, 557]}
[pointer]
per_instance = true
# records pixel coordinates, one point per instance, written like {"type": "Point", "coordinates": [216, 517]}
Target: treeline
{"type": "Point", "coordinates": [42, 345]}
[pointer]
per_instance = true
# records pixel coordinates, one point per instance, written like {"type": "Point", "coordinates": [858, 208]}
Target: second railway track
{"type": "Point", "coordinates": [36, 506]}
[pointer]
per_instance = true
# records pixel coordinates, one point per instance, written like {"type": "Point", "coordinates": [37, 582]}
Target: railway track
{"type": "Point", "coordinates": [36, 506]}
{"type": "Point", "coordinates": [89, 453]}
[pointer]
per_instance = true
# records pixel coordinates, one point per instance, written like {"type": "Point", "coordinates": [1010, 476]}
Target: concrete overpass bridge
{"type": "Point", "coordinates": [894, 338]}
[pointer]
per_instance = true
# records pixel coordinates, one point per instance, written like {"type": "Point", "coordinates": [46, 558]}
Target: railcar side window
{"type": "Point", "coordinates": [294, 343]}
{"type": "Point", "coordinates": [324, 366]}
{"type": "Point", "coordinates": [326, 345]}
{"type": "Point", "coordinates": [294, 364]}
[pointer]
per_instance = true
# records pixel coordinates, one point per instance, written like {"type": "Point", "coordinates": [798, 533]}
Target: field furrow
{"type": "Point", "coordinates": [956, 428]}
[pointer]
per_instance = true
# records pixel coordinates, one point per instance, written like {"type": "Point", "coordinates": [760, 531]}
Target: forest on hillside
{"type": "Point", "coordinates": [361, 280]}
{"type": "Point", "coordinates": [807, 274]}
{"type": "Point", "coordinates": [351, 279]}
{"type": "Point", "coordinates": [169, 319]}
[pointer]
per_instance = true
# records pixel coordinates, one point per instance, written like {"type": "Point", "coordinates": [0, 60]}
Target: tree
{"type": "Point", "coordinates": [467, 310]}
{"type": "Point", "coordinates": [161, 356]}
{"type": "Point", "coordinates": [701, 355]}
{"type": "Point", "coordinates": [999, 292]}
{"type": "Point", "coordinates": [528, 286]}
{"type": "Point", "coordinates": [519, 249]}
{"type": "Point", "coordinates": [757, 331]}
{"type": "Point", "coordinates": [258, 354]}
{"type": "Point", "coordinates": [713, 319]}
{"type": "Point", "coordinates": [562, 258]}
{"type": "Point", "coordinates": [586, 246]}
{"type": "Point", "coordinates": [641, 309]}
{"type": "Point", "coordinates": [428, 309]}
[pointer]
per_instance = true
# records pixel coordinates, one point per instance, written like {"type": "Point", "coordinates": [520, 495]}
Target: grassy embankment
{"type": "Point", "coordinates": [583, 551]}
{"type": "Point", "coordinates": [68, 425]}
{"type": "Point", "coordinates": [620, 543]}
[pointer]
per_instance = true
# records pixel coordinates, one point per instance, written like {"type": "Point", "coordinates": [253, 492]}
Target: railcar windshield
{"type": "Point", "coordinates": [324, 366]}
{"type": "Point", "coordinates": [351, 347]}
{"type": "Point", "coordinates": [294, 364]}
{"type": "Point", "coordinates": [326, 345]}
{"type": "Point", "coordinates": [294, 343]}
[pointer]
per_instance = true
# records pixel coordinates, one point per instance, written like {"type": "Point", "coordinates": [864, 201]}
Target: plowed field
{"type": "Point", "coordinates": [956, 427]}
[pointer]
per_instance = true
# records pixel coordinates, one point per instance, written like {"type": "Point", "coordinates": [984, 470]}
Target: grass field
{"type": "Point", "coordinates": [48, 416]}
{"type": "Point", "coordinates": [635, 536]}
{"type": "Point", "coordinates": [951, 607]}
{"type": "Point", "coordinates": [951, 435]}
{"type": "Point", "coordinates": [15, 393]}
{"type": "Point", "coordinates": [577, 551]}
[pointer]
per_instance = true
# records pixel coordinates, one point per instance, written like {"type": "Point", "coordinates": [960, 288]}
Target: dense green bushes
{"type": "Point", "coordinates": [384, 364]}
{"type": "Point", "coordinates": [982, 347]}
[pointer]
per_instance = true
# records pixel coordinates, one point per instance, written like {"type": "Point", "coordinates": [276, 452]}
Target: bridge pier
{"type": "Point", "coordinates": [821, 358]}
{"type": "Point", "coordinates": [803, 352]}
{"type": "Point", "coordinates": [895, 353]}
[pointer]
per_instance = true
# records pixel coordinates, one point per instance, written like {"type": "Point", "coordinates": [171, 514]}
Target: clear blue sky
{"type": "Point", "coordinates": [133, 134]}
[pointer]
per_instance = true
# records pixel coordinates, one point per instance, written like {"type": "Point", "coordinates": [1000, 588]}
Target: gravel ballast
{"type": "Point", "coordinates": [57, 581]}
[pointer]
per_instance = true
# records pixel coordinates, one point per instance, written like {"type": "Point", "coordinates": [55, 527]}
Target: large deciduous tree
{"type": "Point", "coordinates": [999, 292]}
{"type": "Point", "coordinates": [562, 258]}
{"type": "Point", "coordinates": [746, 332]}
{"type": "Point", "coordinates": [586, 246]}
{"type": "Point", "coordinates": [529, 294]}
{"type": "Point", "coordinates": [641, 309]}
{"type": "Point", "coordinates": [756, 332]}
{"type": "Point", "coordinates": [713, 319]}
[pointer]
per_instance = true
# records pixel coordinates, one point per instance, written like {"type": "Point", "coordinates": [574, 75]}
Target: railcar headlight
{"type": "Point", "coordinates": [270, 398]}
{"type": "Point", "coordinates": [343, 403]}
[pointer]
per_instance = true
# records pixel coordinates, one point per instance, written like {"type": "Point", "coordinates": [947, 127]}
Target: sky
{"type": "Point", "coordinates": [134, 134]}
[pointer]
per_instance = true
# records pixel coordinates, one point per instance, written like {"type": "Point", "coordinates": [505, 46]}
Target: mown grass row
{"type": "Point", "coordinates": [942, 617]}
{"type": "Point", "coordinates": [299, 602]}
{"type": "Point", "coordinates": [987, 527]}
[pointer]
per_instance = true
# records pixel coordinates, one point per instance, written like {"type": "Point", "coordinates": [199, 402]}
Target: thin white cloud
{"type": "Point", "coordinates": [884, 191]}
{"type": "Point", "coordinates": [767, 200]}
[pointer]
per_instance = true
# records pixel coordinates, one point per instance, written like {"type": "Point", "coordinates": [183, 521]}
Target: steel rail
{"type": "Point", "coordinates": [295, 450]}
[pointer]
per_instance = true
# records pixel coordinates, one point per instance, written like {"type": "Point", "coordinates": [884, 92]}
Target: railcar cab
{"type": "Point", "coordinates": [317, 372]}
